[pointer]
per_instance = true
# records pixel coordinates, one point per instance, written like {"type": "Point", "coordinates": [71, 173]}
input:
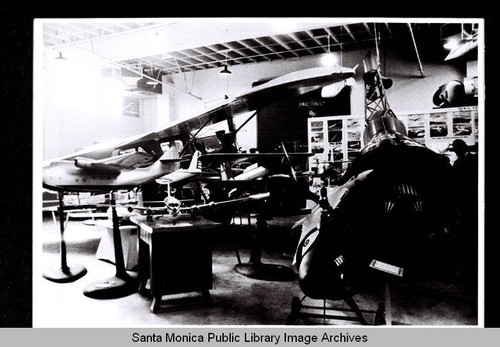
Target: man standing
{"type": "Point", "coordinates": [465, 177]}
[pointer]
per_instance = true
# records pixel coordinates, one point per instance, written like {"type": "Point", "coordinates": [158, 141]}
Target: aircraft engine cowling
{"type": "Point", "coordinates": [83, 163]}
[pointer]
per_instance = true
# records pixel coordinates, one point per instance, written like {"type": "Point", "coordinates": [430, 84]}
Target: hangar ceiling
{"type": "Point", "coordinates": [189, 46]}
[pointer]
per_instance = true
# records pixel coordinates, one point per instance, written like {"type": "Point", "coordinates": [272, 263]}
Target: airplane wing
{"type": "Point", "coordinates": [254, 157]}
{"type": "Point", "coordinates": [227, 204]}
{"type": "Point", "coordinates": [96, 166]}
{"type": "Point", "coordinates": [280, 88]}
{"type": "Point", "coordinates": [114, 164]}
{"type": "Point", "coordinates": [287, 86]}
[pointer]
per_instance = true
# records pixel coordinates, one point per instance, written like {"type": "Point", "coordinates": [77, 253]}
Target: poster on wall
{"type": "Point", "coordinates": [461, 123]}
{"type": "Point", "coordinates": [416, 127]}
{"type": "Point", "coordinates": [438, 125]}
{"type": "Point", "coordinates": [354, 131]}
{"type": "Point", "coordinates": [335, 136]}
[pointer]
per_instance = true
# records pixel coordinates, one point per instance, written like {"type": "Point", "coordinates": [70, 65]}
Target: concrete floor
{"type": "Point", "coordinates": [237, 300]}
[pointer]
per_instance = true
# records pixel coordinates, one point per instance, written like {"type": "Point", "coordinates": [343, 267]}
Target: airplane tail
{"type": "Point", "coordinates": [195, 165]}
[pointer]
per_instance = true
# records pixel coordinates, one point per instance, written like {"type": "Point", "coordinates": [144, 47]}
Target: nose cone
{"type": "Point", "coordinates": [173, 205]}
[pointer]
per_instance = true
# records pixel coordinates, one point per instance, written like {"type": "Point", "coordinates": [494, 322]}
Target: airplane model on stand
{"type": "Point", "coordinates": [140, 160]}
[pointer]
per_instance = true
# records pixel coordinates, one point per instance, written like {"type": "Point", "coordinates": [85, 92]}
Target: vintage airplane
{"type": "Point", "coordinates": [140, 160]}
{"type": "Point", "coordinates": [174, 208]}
{"type": "Point", "coordinates": [382, 218]}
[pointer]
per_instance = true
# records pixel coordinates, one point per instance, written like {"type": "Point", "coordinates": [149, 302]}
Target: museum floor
{"type": "Point", "coordinates": [237, 300]}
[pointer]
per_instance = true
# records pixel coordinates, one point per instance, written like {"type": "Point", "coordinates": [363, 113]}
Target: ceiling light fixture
{"type": "Point", "coordinates": [225, 71]}
{"type": "Point", "coordinates": [60, 57]}
{"type": "Point", "coordinates": [329, 59]}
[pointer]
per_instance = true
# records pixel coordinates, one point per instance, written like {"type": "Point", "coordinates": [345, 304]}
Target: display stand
{"type": "Point", "coordinates": [255, 268]}
{"type": "Point", "coordinates": [66, 272]}
{"type": "Point", "coordinates": [175, 260]}
{"type": "Point", "coordinates": [122, 283]}
{"type": "Point", "coordinates": [300, 311]}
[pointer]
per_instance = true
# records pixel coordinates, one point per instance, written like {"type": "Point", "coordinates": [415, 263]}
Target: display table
{"type": "Point", "coordinates": [174, 258]}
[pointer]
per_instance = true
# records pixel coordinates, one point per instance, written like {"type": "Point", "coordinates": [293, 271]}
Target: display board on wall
{"type": "Point", "coordinates": [338, 139]}
{"type": "Point", "coordinates": [335, 139]}
{"type": "Point", "coordinates": [439, 127]}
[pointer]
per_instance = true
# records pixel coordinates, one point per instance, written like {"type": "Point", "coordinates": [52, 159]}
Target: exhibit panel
{"type": "Point", "coordinates": [338, 140]}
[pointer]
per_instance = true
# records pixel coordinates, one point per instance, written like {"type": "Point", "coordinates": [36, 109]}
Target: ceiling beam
{"type": "Point", "coordinates": [201, 54]}
{"type": "Point", "coordinates": [329, 31]}
{"type": "Point", "coordinates": [285, 45]}
{"type": "Point", "coordinates": [349, 32]}
{"type": "Point", "coordinates": [388, 28]}
{"type": "Point", "coordinates": [177, 34]}
{"type": "Point", "coordinates": [318, 42]}
{"type": "Point", "coordinates": [367, 27]}
{"type": "Point", "coordinates": [253, 50]}
{"type": "Point", "coordinates": [293, 36]}
{"type": "Point", "coordinates": [269, 48]}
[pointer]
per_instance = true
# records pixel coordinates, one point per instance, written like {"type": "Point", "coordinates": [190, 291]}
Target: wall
{"type": "Point", "coordinates": [81, 109]}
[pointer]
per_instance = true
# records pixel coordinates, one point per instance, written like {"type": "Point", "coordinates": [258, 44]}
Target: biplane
{"type": "Point", "coordinates": [141, 159]}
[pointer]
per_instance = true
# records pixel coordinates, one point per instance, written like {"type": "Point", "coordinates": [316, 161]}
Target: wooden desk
{"type": "Point", "coordinates": [175, 258]}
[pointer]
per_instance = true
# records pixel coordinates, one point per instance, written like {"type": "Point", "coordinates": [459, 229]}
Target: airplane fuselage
{"type": "Point", "coordinates": [66, 176]}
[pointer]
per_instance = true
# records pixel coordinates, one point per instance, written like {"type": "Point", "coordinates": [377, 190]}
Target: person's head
{"type": "Point", "coordinates": [459, 147]}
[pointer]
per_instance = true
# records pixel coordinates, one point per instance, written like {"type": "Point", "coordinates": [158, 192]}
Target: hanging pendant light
{"type": "Point", "coordinates": [225, 71]}
{"type": "Point", "coordinates": [329, 59]}
{"type": "Point", "coordinates": [60, 56]}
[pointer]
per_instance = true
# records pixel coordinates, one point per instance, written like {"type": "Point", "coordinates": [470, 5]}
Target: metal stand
{"type": "Point", "coordinates": [387, 303]}
{"type": "Point", "coordinates": [255, 268]}
{"type": "Point", "coordinates": [67, 272]}
{"type": "Point", "coordinates": [121, 284]}
{"type": "Point", "coordinates": [205, 299]}
{"type": "Point", "coordinates": [297, 312]}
